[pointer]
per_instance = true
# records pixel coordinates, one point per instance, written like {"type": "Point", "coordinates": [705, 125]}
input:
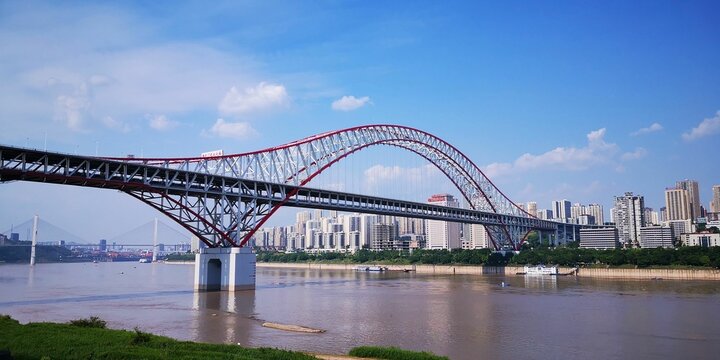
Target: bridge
{"type": "Point", "coordinates": [225, 199]}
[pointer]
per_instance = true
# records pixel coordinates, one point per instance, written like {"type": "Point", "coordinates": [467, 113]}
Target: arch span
{"type": "Point", "coordinates": [300, 161]}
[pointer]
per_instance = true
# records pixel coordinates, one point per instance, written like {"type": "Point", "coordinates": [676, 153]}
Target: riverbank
{"type": "Point", "coordinates": [89, 339]}
{"type": "Point", "coordinates": [612, 273]}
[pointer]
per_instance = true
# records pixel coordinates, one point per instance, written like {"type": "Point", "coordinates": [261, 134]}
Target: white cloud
{"type": "Point", "coordinates": [706, 128]}
{"type": "Point", "coordinates": [350, 103]}
{"type": "Point", "coordinates": [161, 123]}
{"type": "Point", "coordinates": [262, 96]}
{"type": "Point", "coordinates": [116, 69]}
{"type": "Point", "coordinates": [116, 125]}
{"type": "Point", "coordinates": [72, 111]}
{"type": "Point", "coordinates": [597, 151]}
{"type": "Point", "coordinates": [235, 130]}
{"type": "Point", "coordinates": [639, 153]}
{"type": "Point", "coordinates": [650, 129]}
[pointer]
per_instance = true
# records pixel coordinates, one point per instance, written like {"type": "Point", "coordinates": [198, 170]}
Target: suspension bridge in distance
{"type": "Point", "coordinates": [225, 199]}
{"type": "Point", "coordinates": [50, 242]}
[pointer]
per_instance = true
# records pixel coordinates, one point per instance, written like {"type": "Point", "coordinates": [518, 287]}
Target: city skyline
{"type": "Point", "coordinates": [624, 102]}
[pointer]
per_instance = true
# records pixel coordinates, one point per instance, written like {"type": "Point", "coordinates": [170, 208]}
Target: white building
{"type": "Point", "coordinates": [531, 207]}
{"type": "Point", "coordinates": [596, 211]}
{"type": "Point", "coordinates": [599, 238]}
{"type": "Point", "coordinates": [477, 237]}
{"type": "Point", "coordinates": [656, 236]}
{"type": "Point", "coordinates": [576, 210]}
{"type": "Point", "coordinates": [443, 234]}
{"type": "Point", "coordinates": [629, 217]}
{"type": "Point", "coordinates": [312, 228]}
{"type": "Point", "coordinates": [700, 239]}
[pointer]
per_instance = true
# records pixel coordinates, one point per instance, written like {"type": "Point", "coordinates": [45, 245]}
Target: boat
{"type": "Point", "coordinates": [371, 268]}
{"type": "Point", "coordinates": [144, 261]}
{"type": "Point", "coordinates": [540, 270]}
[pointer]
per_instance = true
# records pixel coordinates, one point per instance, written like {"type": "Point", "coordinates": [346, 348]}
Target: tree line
{"type": "Point", "coordinates": [562, 256]}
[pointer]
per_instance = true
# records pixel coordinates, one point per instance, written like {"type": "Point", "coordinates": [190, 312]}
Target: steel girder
{"type": "Point", "coordinates": [223, 211]}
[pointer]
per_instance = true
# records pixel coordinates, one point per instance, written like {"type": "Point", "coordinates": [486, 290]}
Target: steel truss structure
{"type": "Point", "coordinates": [223, 200]}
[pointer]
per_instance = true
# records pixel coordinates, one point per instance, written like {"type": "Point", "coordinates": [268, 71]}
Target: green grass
{"type": "Point", "coordinates": [66, 341]}
{"type": "Point", "coordinates": [392, 353]}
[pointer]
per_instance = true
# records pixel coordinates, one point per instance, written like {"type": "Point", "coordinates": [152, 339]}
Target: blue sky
{"type": "Point", "coordinates": [555, 99]}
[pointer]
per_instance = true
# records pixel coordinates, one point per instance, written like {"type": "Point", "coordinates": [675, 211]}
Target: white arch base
{"type": "Point", "coordinates": [237, 269]}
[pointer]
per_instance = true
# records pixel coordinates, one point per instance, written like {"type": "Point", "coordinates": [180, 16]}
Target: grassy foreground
{"type": "Point", "coordinates": [392, 353]}
{"type": "Point", "coordinates": [89, 339]}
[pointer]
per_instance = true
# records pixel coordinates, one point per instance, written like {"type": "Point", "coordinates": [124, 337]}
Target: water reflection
{"type": "Point", "coordinates": [31, 276]}
{"type": "Point", "coordinates": [541, 282]}
{"type": "Point", "coordinates": [222, 316]}
{"type": "Point", "coordinates": [461, 316]}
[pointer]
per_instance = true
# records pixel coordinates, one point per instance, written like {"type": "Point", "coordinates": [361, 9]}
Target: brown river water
{"type": "Point", "coordinates": [460, 316]}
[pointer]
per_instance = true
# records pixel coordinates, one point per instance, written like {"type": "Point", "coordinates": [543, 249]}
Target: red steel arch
{"type": "Point", "coordinates": [300, 161]}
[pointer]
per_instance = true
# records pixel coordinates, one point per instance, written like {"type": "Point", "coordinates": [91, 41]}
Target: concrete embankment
{"type": "Point", "coordinates": [650, 274]}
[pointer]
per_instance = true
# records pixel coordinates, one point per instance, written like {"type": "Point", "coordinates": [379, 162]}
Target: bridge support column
{"type": "Point", "coordinates": [225, 269]}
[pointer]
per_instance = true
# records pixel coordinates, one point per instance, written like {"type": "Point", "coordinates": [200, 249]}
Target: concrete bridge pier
{"type": "Point", "coordinates": [225, 269]}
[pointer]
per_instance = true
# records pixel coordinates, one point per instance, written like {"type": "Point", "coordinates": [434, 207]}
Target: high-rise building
{"type": "Point", "coordinates": [366, 223]}
{"type": "Point", "coordinates": [561, 210]}
{"type": "Point", "coordinates": [383, 237]}
{"type": "Point", "coordinates": [545, 214]}
{"type": "Point", "coordinates": [693, 193]}
{"type": "Point", "coordinates": [312, 229]}
{"type": "Point", "coordinates": [596, 210]}
{"type": "Point", "coordinates": [301, 218]}
{"type": "Point", "coordinates": [629, 217]}
{"type": "Point", "coordinates": [677, 204]}
{"type": "Point", "coordinates": [531, 208]}
{"type": "Point", "coordinates": [649, 216]}
{"type": "Point", "coordinates": [411, 226]}
{"type": "Point", "coordinates": [443, 234]}
{"type": "Point", "coordinates": [576, 210]}
{"type": "Point", "coordinates": [478, 237]}
{"type": "Point", "coordinates": [715, 202]}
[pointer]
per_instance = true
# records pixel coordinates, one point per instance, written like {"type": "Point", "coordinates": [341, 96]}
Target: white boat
{"type": "Point", "coordinates": [541, 270]}
{"type": "Point", "coordinates": [371, 268]}
{"type": "Point", "coordinates": [144, 261]}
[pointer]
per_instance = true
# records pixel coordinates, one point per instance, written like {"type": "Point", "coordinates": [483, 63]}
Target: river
{"type": "Point", "coordinates": [460, 316]}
